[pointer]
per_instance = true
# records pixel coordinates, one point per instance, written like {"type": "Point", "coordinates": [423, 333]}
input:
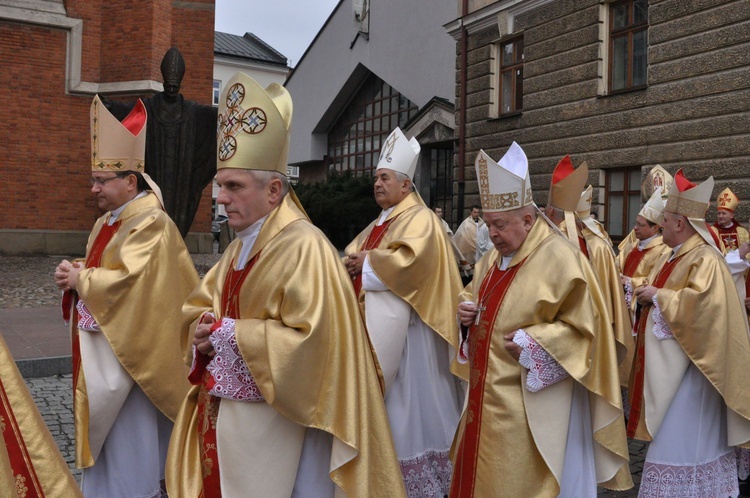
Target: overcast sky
{"type": "Point", "coordinates": [287, 25]}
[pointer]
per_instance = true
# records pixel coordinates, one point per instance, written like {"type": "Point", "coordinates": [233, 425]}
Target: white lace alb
{"type": "Point", "coordinates": [543, 369]}
{"type": "Point", "coordinates": [86, 320]}
{"type": "Point", "coordinates": [228, 369]}
{"type": "Point", "coordinates": [428, 475]}
{"type": "Point", "coordinates": [661, 328]}
{"type": "Point", "coordinates": [717, 478]}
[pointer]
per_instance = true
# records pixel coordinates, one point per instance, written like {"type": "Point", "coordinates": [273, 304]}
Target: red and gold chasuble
{"type": "Point", "coordinates": [729, 235]}
{"type": "Point", "coordinates": [492, 291]}
{"type": "Point", "coordinates": [372, 242]}
{"type": "Point", "coordinates": [633, 260]}
{"type": "Point", "coordinates": [637, 375]}
{"type": "Point", "coordinates": [208, 405]}
{"type": "Point", "coordinates": [18, 454]}
{"type": "Point", "coordinates": [584, 247]}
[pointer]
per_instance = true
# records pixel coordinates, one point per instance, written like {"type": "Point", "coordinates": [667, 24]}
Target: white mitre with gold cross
{"type": "Point", "coordinates": [653, 209]}
{"type": "Point", "coordinates": [504, 186]}
{"type": "Point", "coordinates": [583, 210]}
{"type": "Point", "coordinates": [399, 154]}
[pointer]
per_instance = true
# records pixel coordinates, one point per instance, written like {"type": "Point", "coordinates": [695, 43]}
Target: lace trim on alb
{"type": "Point", "coordinates": [428, 475]}
{"type": "Point", "coordinates": [86, 320]}
{"type": "Point", "coordinates": [716, 478]}
{"type": "Point", "coordinates": [228, 368]}
{"type": "Point", "coordinates": [661, 328]}
{"type": "Point", "coordinates": [543, 369]}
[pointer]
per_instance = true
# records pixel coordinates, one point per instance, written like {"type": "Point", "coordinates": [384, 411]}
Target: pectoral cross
{"type": "Point", "coordinates": [480, 308]}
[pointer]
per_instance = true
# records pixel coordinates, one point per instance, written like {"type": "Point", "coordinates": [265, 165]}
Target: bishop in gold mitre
{"type": "Point", "coordinates": [543, 416]}
{"type": "Point", "coordinates": [123, 303]}
{"type": "Point", "coordinates": [687, 390]}
{"type": "Point", "coordinates": [285, 398]}
{"type": "Point", "coordinates": [404, 273]}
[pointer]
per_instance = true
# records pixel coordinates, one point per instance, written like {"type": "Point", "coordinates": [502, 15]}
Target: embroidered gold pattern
{"type": "Point", "coordinates": [388, 147]}
{"type": "Point", "coordinates": [21, 488]}
{"type": "Point", "coordinates": [236, 119]}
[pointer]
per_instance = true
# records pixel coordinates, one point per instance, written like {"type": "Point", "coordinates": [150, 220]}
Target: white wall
{"type": "Point", "coordinates": [408, 48]}
{"type": "Point", "coordinates": [225, 68]}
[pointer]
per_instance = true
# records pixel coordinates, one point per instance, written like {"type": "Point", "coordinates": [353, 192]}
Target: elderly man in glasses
{"type": "Point", "coordinates": [124, 305]}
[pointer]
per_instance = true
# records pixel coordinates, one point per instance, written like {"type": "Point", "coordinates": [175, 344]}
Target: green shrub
{"type": "Point", "coordinates": [341, 206]}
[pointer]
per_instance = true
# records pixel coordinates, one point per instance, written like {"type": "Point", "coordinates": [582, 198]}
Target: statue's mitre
{"type": "Point", "coordinates": [115, 145]}
{"type": "Point", "coordinates": [687, 198]}
{"type": "Point", "coordinates": [505, 185]}
{"type": "Point", "coordinates": [567, 184]}
{"type": "Point", "coordinates": [654, 207]}
{"type": "Point", "coordinates": [253, 126]}
{"type": "Point", "coordinates": [399, 154]}
{"type": "Point", "coordinates": [727, 200]}
{"type": "Point", "coordinates": [657, 177]}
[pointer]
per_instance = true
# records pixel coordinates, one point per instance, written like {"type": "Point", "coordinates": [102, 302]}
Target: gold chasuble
{"type": "Point", "coordinates": [300, 333]}
{"type": "Point", "coordinates": [31, 466]}
{"type": "Point", "coordinates": [414, 258]}
{"type": "Point", "coordinates": [135, 294]}
{"type": "Point", "coordinates": [699, 303]}
{"type": "Point", "coordinates": [512, 442]}
{"type": "Point", "coordinates": [602, 259]}
{"type": "Point", "coordinates": [637, 264]}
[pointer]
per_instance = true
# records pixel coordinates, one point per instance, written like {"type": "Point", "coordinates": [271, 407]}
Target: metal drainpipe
{"type": "Point", "coordinates": [462, 113]}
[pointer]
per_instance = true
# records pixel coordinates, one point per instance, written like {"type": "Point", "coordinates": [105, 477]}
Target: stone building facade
{"type": "Point", "coordinates": [55, 56]}
{"type": "Point", "coordinates": [623, 85]}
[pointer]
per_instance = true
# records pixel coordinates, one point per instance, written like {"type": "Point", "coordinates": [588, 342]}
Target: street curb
{"type": "Point", "coordinates": [45, 367]}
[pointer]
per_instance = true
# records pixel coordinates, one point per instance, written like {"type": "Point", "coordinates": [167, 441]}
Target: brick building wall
{"type": "Point", "coordinates": [693, 114]}
{"type": "Point", "coordinates": [44, 119]}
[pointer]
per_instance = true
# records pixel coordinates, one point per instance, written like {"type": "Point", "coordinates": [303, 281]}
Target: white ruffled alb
{"type": "Point", "coordinates": [661, 328]}
{"type": "Point", "coordinates": [543, 369]}
{"type": "Point", "coordinates": [233, 379]}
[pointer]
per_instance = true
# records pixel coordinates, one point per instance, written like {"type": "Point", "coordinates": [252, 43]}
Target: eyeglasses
{"type": "Point", "coordinates": [102, 181]}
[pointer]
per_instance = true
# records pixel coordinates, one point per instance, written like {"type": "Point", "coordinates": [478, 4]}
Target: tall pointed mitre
{"type": "Point", "coordinates": [115, 145]}
{"type": "Point", "coordinates": [399, 154]}
{"type": "Point", "coordinates": [727, 201]}
{"type": "Point", "coordinates": [253, 126]}
{"type": "Point", "coordinates": [120, 146]}
{"type": "Point", "coordinates": [504, 186]}
{"type": "Point", "coordinates": [653, 209]}
{"type": "Point", "coordinates": [691, 200]}
{"type": "Point", "coordinates": [565, 191]}
{"type": "Point", "coordinates": [657, 177]}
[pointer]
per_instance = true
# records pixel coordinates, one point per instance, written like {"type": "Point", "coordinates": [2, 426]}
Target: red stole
{"type": "Point", "coordinates": [208, 405]}
{"type": "Point", "coordinates": [372, 242]}
{"type": "Point", "coordinates": [18, 455]}
{"type": "Point", "coordinates": [637, 375]}
{"type": "Point", "coordinates": [70, 298]}
{"type": "Point", "coordinates": [491, 293]}
{"type": "Point", "coordinates": [584, 247]}
{"type": "Point", "coordinates": [633, 260]}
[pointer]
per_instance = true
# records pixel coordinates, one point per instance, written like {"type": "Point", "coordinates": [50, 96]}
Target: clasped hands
{"type": "Point", "coordinates": [66, 274]}
{"type": "Point", "coordinates": [354, 263]}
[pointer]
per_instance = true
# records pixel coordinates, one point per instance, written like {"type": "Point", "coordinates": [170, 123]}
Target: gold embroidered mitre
{"type": "Point", "coordinates": [584, 203]}
{"type": "Point", "coordinates": [115, 145]}
{"type": "Point", "coordinates": [504, 186]}
{"type": "Point", "coordinates": [654, 207]}
{"type": "Point", "coordinates": [567, 184]}
{"type": "Point", "coordinates": [253, 126]}
{"type": "Point", "coordinates": [399, 154]}
{"type": "Point", "coordinates": [689, 199]}
{"type": "Point", "coordinates": [727, 201]}
{"type": "Point", "coordinates": [657, 177]}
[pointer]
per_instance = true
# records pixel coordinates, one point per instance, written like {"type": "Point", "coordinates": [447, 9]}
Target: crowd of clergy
{"type": "Point", "coordinates": [291, 370]}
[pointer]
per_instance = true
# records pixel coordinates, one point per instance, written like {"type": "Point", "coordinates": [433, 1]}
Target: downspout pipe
{"type": "Point", "coordinates": [464, 47]}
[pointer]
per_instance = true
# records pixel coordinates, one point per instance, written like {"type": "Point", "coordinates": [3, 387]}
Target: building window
{"type": "Point", "coordinates": [374, 112]}
{"type": "Point", "coordinates": [628, 44]}
{"type": "Point", "coordinates": [623, 200]}
{"type": "Point", "coordinates": [510, 81]}
{"type": "Point", "coordinates": [217, 93]}
{"type": "Point", "coordinates": [441, 181]}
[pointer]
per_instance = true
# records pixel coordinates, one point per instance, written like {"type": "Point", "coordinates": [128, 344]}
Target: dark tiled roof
{"type": "Point", "coordinates": [248, 47]}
